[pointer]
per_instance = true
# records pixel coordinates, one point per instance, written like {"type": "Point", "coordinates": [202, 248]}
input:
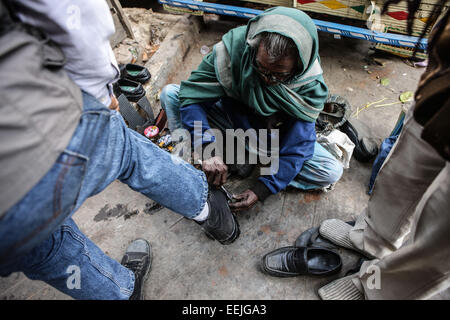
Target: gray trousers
{"type": "Point", "coordinates": [407, 222]}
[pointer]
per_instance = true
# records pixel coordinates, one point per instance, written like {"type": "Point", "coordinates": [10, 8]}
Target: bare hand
{"type": "Point", "coordinates": [216, 171]}
{"type": "Point", "coordinates": [114, 103]}
{"type": "Point", "coordinates": [247, 199]}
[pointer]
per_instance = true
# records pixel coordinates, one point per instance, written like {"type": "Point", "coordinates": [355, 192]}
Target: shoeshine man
{"type": "Point", "coordinates": [265, 75]}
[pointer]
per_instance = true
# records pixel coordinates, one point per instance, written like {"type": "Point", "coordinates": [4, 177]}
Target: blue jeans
{"type": "Point", "coordinates": [38, 235]}
{"type": "Point", "coordinates": [322, 170]}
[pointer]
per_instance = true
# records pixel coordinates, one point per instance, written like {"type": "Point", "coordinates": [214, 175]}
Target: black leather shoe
{"type": "Point", "coordinates": [138, 258]}
{"type": "Point", "coordinates": [134, 72]}
{"type": "Point", "coordinates": [131, 89]}
{"type": "Point", "coordinates": [312, 238]}
{"type": "Point", "coordinates": [294, 261]}
{"type": "Point", "coordinates": [221, 224]}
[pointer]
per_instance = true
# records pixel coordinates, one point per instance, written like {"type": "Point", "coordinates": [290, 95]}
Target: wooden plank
{"type": "Point", "coordinates": [121, 23]}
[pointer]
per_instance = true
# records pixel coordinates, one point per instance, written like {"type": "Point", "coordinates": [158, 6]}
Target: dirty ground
{"type": "Point", "coordinates": [186, 264]}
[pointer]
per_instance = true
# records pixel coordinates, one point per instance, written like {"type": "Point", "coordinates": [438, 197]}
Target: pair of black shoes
{"type": "Point", "coordinates": [221, 224]}
{"type": "Point", "coordinates": [132, 76]}
{"type": "Point", "coordinates": [311, 254]}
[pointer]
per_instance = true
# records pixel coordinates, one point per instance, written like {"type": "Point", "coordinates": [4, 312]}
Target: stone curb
{"type": "Point", "coordinates": [171, 53]}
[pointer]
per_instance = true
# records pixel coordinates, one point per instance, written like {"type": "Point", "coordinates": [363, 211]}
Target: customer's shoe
{"type": "Point", "coordinates": [138, 258]}
{"type": "Point", "coordinates": [221, 224]}
{"type": "Point", "coordinates": [134, 72]}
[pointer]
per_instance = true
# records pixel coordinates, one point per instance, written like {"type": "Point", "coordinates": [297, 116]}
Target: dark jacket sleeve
{"type": "Point", "coordinates": [296, 146]}
{"type": "Point", "coordinates": [196, 113]}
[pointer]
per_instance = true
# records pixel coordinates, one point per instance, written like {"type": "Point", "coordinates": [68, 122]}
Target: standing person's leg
{"type": "Point", "coordinates": [408, 171]}
{"type": "Point", "coordinates": [418, 270]}
{"type": "Point", "coordinates": [421, 268]}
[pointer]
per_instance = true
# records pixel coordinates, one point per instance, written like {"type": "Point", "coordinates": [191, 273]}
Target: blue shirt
{"type": "Point", "coordinates": [297, 138]}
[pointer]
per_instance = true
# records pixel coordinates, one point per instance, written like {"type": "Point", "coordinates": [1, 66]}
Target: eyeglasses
{"type": "Point", "coordinates": [277, 77]}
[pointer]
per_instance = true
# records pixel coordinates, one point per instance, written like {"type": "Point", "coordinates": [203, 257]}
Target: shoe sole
{"type": "Point", "coordinates": [234, 235]}
{"type": "Point", "coordinates": [147, 273]}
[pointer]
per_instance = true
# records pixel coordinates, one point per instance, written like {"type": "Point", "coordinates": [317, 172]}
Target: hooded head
{"type": "Point", "coordinates": [283, 28]}
{"type": "Point", "coordinates": [245, 66]}
{"type": "Point", "coordinates": [276, 59]}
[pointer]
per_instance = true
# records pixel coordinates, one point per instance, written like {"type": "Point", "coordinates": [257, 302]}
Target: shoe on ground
{"type": "Point", "coordinates": [138, 258]}
{"type": "Point", "coordinates": [298, 261]}
{"type": "Point", "coordinates": [338, 232]}
{"type": "Point", "coordinates": [221, 224]}
{"type": "Point", "coordinates": [133, 90]}
{"type": "Point", "coordinates": [134, 72]}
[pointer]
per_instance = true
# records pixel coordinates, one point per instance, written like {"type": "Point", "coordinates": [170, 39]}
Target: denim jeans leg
{"type": "Point", "coordinates": [73, 264]}
{"type": "Point", "coordinates": [122, 153]}
{"type": "Point", "coordinates": [320, 171]}
{"type": "Point", "coordinates": [102, 150]}
{"type": "Point", "coordinates": [163, 177]}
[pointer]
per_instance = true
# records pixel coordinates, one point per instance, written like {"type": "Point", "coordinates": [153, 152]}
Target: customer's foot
{"type": "Point", "coordinates": [221, 223]}
{"type": "Point", "coordinates": [138, 258]}
{"type": "Point", "coordinates": [342, 289]}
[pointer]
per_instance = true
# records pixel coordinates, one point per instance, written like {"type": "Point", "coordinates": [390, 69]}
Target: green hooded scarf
{"type": "Point", "coordinates": [227, 71]}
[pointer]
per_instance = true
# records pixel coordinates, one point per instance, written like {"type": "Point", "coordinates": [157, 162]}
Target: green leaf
{"type": "Point", "coordinates": [406, 96]}
{"type": "Point", "coordinates": [384, 81]}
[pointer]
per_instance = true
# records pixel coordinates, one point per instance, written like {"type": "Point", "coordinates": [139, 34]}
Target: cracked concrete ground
{"type": "Point", "coordinates": [186, 264]}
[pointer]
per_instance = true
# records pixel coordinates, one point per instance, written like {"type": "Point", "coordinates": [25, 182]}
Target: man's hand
{"type": "Point", "coordinates": [247, 199]}
{"type": "Point", "coordinates": [216, 171]}
{"type": "Point", "coordinates": [114, 103]}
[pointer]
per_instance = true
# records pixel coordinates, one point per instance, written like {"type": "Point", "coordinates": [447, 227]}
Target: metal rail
{"type": "Point", "coordinates": [392, 39]}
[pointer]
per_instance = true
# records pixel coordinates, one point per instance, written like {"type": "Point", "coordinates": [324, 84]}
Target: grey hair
{"type": "Point", "coordinates": [278, 46]}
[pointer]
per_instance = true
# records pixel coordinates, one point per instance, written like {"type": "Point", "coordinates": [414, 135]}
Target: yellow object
{"type": "Point", "coordinates": [387, 104]}
{"type": "Point", "coordinates": [367, 106]}
{"type": "Point", "coordinates": [333, 4]}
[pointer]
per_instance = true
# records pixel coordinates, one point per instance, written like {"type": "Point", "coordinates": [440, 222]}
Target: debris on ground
{"type": "Point", "coordinates": [384, 82]}
{"type": "Point", "coordinates": [204, 50]}
{"type": "Point", "coordinates": [149, 28]}
{"type": "Point", "coordinates": [406, 96]}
